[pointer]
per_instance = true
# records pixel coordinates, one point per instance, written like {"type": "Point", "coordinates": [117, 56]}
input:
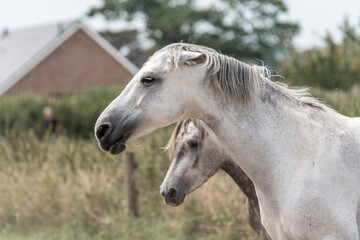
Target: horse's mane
{"type": "Point", "coordinates": [234, 80]}
{"type": "Point", "coordinates": [170, 146]}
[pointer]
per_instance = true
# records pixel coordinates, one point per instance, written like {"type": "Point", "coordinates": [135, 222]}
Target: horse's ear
{"type": "Point", "coordinates": [192, 58]}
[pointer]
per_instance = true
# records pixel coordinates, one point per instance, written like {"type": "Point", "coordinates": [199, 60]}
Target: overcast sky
{"type": "Point", "coordinates": [315, 16]}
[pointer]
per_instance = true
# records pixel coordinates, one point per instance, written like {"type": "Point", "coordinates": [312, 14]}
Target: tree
{"type": "Point", "coordinates": [126, 42]}
{"type": "Point", "coordinates": [245, 29]}
{"type": "Point", "coordinates": [335, 65]}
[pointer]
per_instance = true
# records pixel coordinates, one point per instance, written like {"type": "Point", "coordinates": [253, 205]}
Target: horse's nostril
{"type": "Point", "coordinates": [163, 193]}
{"type": "Point", "coordinates": [172, 193]}
{"type": "Point", "coordinates": [103, 130]}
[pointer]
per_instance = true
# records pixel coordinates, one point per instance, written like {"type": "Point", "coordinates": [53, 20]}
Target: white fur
{"type": "Point", "coordinates": [304, 160]}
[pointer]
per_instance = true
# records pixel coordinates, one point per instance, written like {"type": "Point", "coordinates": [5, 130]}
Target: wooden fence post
{"type": "Point", "coordinates": [129, 184]}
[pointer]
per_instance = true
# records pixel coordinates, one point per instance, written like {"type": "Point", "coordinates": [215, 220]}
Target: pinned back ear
{"type": "Point", "coordinates": [192, 58]}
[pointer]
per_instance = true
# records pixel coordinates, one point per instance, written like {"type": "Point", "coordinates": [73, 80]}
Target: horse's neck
{"type": "Point", "coordinates": [239, 177]}
{"type": "Point", "coordinates": [246, 185]}
{"type": "Point", "coordinates": [264, 138]}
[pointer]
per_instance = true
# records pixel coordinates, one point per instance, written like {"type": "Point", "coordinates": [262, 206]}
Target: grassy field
{"type": "Point", "coordinates": [67, 188]}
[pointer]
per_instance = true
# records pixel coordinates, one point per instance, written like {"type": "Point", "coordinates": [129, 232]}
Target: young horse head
{"type": "Point", "coordinates": [197, 156]}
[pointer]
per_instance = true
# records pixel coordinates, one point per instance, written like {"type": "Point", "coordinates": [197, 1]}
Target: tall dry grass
{"type": "Point", "coordinates": [45, 181]}
{"type": "Point", "coordinates": [54, 182]}
{"type": "Point", "coordinates": [345, 102]}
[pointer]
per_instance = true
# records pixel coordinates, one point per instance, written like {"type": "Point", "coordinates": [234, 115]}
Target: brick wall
{"type": "Point", "coordinates": [77, 63]}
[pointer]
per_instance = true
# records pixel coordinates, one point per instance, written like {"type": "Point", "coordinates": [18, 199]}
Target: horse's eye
{"type": "Point", "coordinates": [193, 144]}
{"type": "Point", "coordinates": [147, 81]}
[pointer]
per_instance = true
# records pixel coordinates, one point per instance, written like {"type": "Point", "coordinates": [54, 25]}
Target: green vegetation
{"type": "Point", "coordinates": [336, 65]}
{"type": "Point", "coordinates": [345, 102]}
{"type": "Point", "coordinates": [77, 113]}
{"type": "Point", "coordinates": [67, 188]}
{"type": "Point", "coordinates": [243, 29]}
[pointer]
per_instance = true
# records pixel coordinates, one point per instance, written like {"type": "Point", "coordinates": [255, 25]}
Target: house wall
{"type": "Point", "coordinates": [77, 63]}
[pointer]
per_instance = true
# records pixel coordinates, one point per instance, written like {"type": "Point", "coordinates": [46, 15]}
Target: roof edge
{"type": "Point", "coordinates": [132, 68]}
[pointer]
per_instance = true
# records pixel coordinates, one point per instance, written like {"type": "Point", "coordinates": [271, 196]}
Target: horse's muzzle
{"type": "Point", "coordinates": [173, 196]}
{"type": "Point", "coordinates": [108, 141]}
{"type": "Point", "coordinates": [112, 133]}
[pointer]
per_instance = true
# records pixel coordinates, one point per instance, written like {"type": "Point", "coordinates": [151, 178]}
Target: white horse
{"type": "Point", "coordinates": [197, 156]}
{"type": "Point", "coordinates": [303, 157]}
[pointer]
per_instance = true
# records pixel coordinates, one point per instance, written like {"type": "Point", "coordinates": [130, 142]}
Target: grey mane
{"type": "Point", "coordinates": [230, 78]}
{"type": "Point", "coordinates": [233, 80]}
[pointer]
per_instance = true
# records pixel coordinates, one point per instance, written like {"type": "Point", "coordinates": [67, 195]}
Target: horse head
{"type": "Point", "coordinates": [197, 156]}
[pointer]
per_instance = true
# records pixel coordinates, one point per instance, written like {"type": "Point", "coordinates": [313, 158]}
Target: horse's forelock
{"type": "Point", "coordinates": [170, 146]}
{"type": "Point", "coordinates": [200, 125]}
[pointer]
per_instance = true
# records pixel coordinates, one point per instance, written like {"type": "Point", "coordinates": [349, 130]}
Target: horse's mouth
{"type": "Point", "coordinates": [175, 204]}
{"type": "Point", "coordinates": [117, 147]}
{"type": "Point", "coordinates": [120, 145]}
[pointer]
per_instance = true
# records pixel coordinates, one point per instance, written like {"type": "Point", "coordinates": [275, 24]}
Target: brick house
{"type": "Point", "coordinates": [59, 58]}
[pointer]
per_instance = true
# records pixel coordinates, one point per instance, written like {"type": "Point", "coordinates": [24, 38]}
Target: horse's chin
{"type": "Point", "coordinates": [177, 203]}
{"type": "Point", "coordinates": [120, 145]}
{"type": "Point", "coordinates": [117, 148]}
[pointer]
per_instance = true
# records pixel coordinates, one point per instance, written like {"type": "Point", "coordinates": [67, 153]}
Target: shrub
{"type": "Point", "coordinates": [334, 66]}
{"type": "Point", "coordinates": [77, 113]}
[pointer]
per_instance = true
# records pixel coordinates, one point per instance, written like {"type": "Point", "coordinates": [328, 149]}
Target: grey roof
{"type": "Point", "coordinates": [22, 50]}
